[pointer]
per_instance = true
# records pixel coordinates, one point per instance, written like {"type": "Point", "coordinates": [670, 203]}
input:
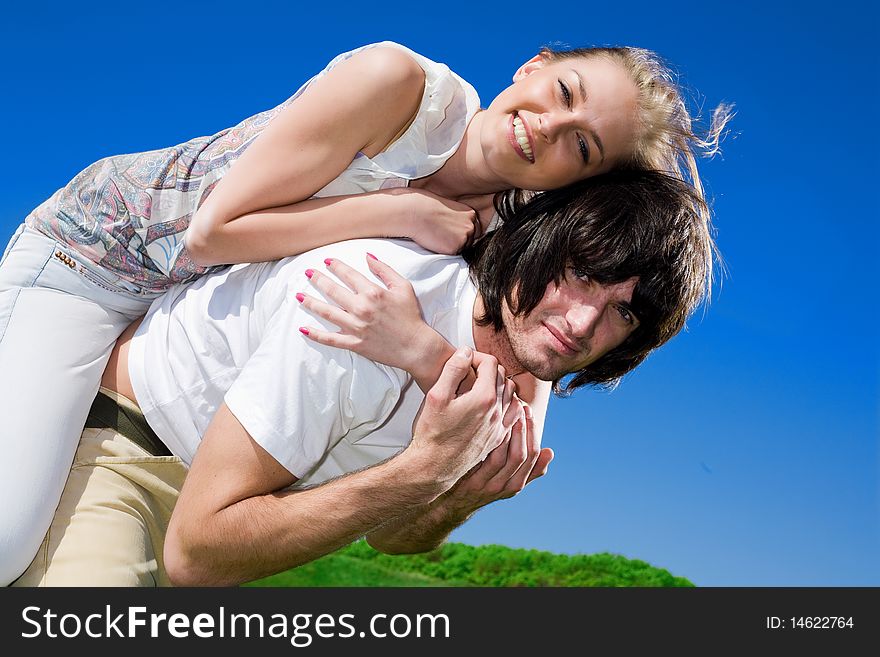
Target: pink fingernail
{"type": "Point", "coordinates": [303, 330]}
{"type": "Point", "coordinates": [300, 296]}
{"type": "Point", "coordinates": [372, 256]}
{"type": "Point", "coordinates": [309, 273]}
{"type": "Point", "coordinates": [328, 261]}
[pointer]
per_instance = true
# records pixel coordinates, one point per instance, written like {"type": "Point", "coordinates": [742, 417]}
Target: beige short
{"type": "Point", "coordinates": [110, 525]}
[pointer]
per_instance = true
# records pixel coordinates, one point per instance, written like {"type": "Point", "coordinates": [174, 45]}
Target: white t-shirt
{"type": "Point", "coordinates": [234, 337]}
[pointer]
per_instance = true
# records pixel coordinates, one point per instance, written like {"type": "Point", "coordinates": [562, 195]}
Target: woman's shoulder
{"type": "Point", "coordinates": [399, 58]}
{"type": "Point", "coordinates": [448, 102]}
{"type": "Point", "coordinates": [388, 64]}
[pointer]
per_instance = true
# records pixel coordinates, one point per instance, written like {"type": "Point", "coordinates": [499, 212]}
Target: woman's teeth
{"type": "Point", "coordinates": [519, 131]}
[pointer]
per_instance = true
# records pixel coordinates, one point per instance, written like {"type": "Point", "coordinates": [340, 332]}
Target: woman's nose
{"type": "Point", "coordinates": [551, 124]}
{"type": "Point", "coordinates": [547, 127]}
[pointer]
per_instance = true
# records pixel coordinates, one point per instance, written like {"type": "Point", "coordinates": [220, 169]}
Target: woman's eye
{"type": "Point", "coordinates": [582, 147]}
{"type": "Point", "coordinates": [566, 94]}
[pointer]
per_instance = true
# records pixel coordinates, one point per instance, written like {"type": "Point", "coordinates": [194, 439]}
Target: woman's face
{"type": "Point", "coordinates": [559, 122]}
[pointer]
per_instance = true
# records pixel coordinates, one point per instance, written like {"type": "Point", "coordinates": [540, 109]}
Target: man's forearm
{"type": "Point", "coordinates": [266, 534]}
{"type": "Point", "coordinates": [421, 529]}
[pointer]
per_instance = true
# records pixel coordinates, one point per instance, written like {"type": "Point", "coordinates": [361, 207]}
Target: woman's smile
{"type": "Point", "coordinates": [520, 136]}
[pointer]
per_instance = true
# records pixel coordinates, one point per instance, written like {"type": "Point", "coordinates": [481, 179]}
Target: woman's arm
{"type": "Point", "coordinates": [436, 223]}
{"type": "Point", "coordinates": [362, 104]}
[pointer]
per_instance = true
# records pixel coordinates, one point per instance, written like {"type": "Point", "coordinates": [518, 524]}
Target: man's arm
{"type": "Point", "coordinates": [233, 523]}
{"type": "Point", "coordinates": [503, 474]}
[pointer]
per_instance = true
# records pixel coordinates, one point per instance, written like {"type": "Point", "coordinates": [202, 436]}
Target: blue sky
{"type": "Point", "coordinates": [745, 452]}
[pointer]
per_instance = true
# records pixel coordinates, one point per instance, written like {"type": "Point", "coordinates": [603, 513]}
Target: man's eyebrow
{"type": "Point", "coordinates": [583, 89]}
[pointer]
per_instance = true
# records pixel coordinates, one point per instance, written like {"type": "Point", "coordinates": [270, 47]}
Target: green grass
{"type": "Point", "coordinates": [457, 564]}
{"type": "Point", "coordinates": [342, 570]}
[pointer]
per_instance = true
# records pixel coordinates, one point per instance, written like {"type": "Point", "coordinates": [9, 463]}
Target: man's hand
{"type": "Point", "coordinates": [505, 471]}
{"type": "Point", "coordinates": [454, 432]}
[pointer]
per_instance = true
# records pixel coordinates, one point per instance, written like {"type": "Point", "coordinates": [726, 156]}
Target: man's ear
{"type": "Point", "coordinates": [528, 68]}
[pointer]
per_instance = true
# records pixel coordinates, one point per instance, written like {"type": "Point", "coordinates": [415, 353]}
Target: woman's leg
{"type": "Point", "coordinates": [54, 344]}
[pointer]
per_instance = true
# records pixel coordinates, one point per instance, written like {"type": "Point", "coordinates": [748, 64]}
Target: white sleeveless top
{"type": "Point", "coordinates": [448, 104]}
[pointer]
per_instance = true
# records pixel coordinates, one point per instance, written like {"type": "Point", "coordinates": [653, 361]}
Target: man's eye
{"type": "Point", "coordinates": [626, 315]}
{"type": "Point", "coordinates": [566, 94]}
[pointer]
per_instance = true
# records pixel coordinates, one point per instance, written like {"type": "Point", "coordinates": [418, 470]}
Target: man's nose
{"type": "Point", "coordinates": [583, 319]}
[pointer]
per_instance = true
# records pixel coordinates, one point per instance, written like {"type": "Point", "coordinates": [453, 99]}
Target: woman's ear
{"type": "Point", "coordinates": [528, 68]}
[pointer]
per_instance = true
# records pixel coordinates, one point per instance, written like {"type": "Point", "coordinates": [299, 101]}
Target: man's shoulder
{"type": "Point", "coordinates": [438, 280]}
{"type": "Point", "coordinates": [406, 257]}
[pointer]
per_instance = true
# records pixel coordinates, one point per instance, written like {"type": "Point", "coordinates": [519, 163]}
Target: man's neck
{"type": "Point", "coordinates": [490, 341]}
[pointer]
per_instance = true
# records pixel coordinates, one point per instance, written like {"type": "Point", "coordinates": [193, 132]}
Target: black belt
{"type": "Point", "coordinates": [105, 413]}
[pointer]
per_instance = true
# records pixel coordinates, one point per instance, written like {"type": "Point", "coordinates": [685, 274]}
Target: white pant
{"type": "Point", "coordinates": [60, 316]}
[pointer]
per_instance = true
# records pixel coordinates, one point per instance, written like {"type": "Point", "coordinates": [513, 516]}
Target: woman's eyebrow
{"type": "Point", "coordinates": [581, 86]}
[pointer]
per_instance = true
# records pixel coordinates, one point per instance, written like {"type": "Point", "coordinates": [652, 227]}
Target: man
{"type": "Point", "coordinates": [296, 448]}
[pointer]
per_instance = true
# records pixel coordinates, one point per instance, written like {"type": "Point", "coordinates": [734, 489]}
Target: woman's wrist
{"type": "Point", "coordinates": [402, 213]}
{"type": "Point", "coordinates": [430, 352]}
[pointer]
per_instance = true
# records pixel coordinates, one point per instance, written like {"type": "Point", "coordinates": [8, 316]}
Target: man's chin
{"type": "Point", "coordinates": [544, 370]}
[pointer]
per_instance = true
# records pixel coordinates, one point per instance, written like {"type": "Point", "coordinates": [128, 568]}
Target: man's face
{"type": "Point", "coordinates": [572, 326]}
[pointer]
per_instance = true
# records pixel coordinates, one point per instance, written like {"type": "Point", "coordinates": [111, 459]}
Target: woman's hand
{"type": "Point", "coordinates": [441, 225]}
{"type": "Point", "coordinates": [383, 324]}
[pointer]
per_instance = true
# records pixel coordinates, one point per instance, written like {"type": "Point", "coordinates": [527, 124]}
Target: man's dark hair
{"type": "Point", "coordinates": [609, 227]}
